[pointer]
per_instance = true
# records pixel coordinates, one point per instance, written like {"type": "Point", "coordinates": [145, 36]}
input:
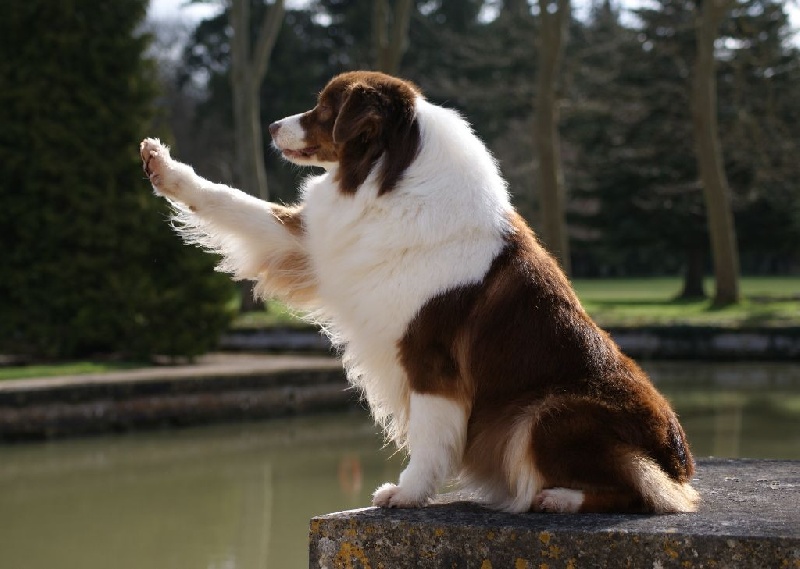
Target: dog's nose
{"type": "Point", "coordinates": [274, 128]}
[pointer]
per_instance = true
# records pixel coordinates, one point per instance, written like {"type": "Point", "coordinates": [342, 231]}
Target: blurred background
{"type": "Point", "coordinates": [652, 144]}
{"type": "Point", "coordinates": [639, 138]}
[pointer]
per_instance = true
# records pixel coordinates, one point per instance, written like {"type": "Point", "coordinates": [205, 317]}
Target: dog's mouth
{"type": "Point", "coordinates": [300, 153]}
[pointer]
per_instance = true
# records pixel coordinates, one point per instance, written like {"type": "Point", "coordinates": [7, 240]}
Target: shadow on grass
{"type": "Point", "coordinates": [696, 312]}
{"type": "Point", "coordinates": [649, 302]}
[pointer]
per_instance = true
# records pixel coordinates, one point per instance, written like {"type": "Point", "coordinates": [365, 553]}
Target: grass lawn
{"type": "Point", "coordinates": [65, 368]}
{"type": "Point", "coordinates": [276, 314]}
{"type": "Point", "coordinates": [767, 301]}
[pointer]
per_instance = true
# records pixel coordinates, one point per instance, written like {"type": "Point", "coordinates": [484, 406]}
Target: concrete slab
{"type": "Point", "coordinates": [750, 518]}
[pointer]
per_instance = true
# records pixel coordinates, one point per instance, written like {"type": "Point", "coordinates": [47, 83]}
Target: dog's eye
{"type": "Point", "coordinates": [324, 112]}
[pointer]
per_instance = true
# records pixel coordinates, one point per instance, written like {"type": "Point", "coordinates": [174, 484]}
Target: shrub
{"type": "Point", "coordinates": [89, 264]}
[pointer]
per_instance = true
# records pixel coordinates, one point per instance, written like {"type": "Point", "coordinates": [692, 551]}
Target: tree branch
{"type": "Point", "coordinates": [401, 21]}
{"type": "Point", "coordinates": [267, 35]}
{"type": "Point", "coordinates": [240, 42]}
{"type": "Point", "coordinates": [379, 38]}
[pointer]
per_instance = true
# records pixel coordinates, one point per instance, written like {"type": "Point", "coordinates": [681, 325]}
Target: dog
{"type": "Point", "coordinates": [463, 334]}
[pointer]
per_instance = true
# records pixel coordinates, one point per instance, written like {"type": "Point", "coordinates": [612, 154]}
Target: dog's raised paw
{"type": "Point", "coordinates": [392, 496]}
{"type": "Point", "coordinates": [155, 157]}
{"type": "Point", "coordinates": [558, 500]}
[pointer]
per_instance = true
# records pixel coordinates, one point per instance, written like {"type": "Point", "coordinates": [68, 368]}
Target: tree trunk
{"type": "Point", "coordinates": [517, 9]}
{"type": "Point", "coordinates": [249, 302]}
{"type": "Point", "coordinates": [551, 179]}
{"type": "Point", "coordinates": [390, 35]}
{"type": "Point", "coordinates": [249, 64]}
{"type": "Point", "coordinates": [693, 276]}
{"type": "Point", "coordinates": [709, 155]}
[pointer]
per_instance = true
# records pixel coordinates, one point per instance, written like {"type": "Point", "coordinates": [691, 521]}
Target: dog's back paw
{"type": "Point", "coordinates": [558, 500]}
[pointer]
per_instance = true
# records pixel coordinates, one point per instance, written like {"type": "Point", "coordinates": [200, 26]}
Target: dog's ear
{"type": "Point", "coordinates": [372, 122]}
{"type": "Point", "coordinates": [359, 116]}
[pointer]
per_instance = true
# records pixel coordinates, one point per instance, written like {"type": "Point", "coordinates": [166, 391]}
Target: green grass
{"type": "Point", "coordinates": [276, 314]}
{"type": "Point", "coordinates": [766, 301]}
{"type": "Point", "coordinates": [65, 368]}
{"type": "Point", "coordinates": [665, 288]}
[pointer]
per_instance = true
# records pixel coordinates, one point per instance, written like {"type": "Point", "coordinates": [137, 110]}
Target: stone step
{"type": "Point", "coordinates": [220, 388]}
{"type": "Point", "coordinates": [749, 518]}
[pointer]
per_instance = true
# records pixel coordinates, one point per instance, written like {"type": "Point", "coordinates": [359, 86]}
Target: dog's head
{"type": "Point", "coordinates": [360, 117]}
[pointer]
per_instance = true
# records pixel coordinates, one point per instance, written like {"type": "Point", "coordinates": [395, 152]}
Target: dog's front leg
{"type": "Point", "coordinates": [256, 239]}
{"type": "Point", "coordinates": [436, 436]}
{"type": "Point", "coordinates": [169, 177]}
{"type": "Point", "coordinates": [230, 209]}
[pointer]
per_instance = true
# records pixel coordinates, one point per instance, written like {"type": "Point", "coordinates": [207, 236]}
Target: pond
{"type": "Point", "coordinates": [240, 496]}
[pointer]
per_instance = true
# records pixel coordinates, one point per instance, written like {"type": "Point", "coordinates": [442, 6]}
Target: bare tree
{"type": "Point", "coordinates": [390, 33]}
{"type": "Point", "coordinates": [249, 64]}
{"type": "Point", "coordinates": [708, 16]}
{"type": "Point", "coordinates": [553, 18]}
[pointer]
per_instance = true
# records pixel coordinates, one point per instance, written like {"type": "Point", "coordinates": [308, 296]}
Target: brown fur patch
{"type": "Point", "coordinates": [290, 278]}
{"type": "Point", "coordinates": [520, 344]}
{"type": "Point", "coordinates": [612, 500]}
{"type": "Point", "coordinates": [290, 217]}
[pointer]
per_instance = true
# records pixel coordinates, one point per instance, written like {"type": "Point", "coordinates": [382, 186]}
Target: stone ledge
{"type": "Point", "coordinates": [750, 518]}
{"type": "Point", "coordinates": [225, 390]}
{"type": "Point", "coordinates": [668, 342]}
{"type": "Point", "coordinates": [709, 342]}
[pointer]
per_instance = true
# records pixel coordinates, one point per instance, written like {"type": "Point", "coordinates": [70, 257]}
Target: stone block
{"type": "Point", "coordinates": [749, 518]}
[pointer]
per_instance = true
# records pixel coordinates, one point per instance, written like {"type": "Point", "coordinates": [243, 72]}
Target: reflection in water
{"type": "Point", "coordinates": [240, 496]}
{"type": "Point", "coordinates": [222, 497]}
{"type": "Point", "coordinates": [735, 409]}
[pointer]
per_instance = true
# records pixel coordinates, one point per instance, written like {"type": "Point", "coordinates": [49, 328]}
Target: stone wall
{"type": "Point", "coordinates": [641, 342]}
{"type": "Point", "coordinates": [169, 396]}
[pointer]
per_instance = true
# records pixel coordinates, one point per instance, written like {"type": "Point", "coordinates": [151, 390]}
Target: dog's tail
{"type": "Point", "coordinates": [661, 493]}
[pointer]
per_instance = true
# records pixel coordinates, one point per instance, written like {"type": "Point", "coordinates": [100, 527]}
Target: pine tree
{"type": "Point", "coordinates": [631, 121]}
{"type": "Point", "coordinates": [759, 86]}
{"type": "Point", "coordinates": [89, 264]}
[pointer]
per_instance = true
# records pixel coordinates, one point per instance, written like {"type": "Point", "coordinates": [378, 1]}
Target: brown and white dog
{"type": "Point", "coordinates": [463, 334]}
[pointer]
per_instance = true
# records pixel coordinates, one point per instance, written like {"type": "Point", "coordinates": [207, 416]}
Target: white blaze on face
{"type": "Point", "coordinates": [290, 134]}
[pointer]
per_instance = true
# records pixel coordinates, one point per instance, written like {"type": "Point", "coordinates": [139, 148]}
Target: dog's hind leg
{"type": "Point", "coordinates": [589, 462]}
{"type": "Point", "coordinates": [569, 500]}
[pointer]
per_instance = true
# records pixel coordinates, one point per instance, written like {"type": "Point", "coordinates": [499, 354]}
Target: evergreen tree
{"type": "Point", "coordinates": [89, 264]}
{"type": "Point", "coordinates": [759, 86]}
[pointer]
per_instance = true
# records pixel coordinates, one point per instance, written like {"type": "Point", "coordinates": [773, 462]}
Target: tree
{"type": "Point", "coordinates": [635, 200]}
{"type": "Point", "coordinates": [390, 34]}
{"type": "Point", "coordinates": [249, 64]}
{"type": "Point", "coordinates": [758, 87]}
{"type": "Point", "coordinates": [629, 120]}
{"type": "Point", "coordinates": [327, 42]}
{"type": "Point", "coordinates": [709, 15]}
{"type": "Point", "coordinates": [89, 265]}
{"type": "Point", "coordinates": [553, 17]}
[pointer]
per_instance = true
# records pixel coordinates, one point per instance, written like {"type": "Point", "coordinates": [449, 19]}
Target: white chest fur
{"type": "Point", "coordinates": [379, 259]}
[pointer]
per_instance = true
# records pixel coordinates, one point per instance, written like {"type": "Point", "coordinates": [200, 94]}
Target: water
{"type": "Point", "coordinates": [240, 496]}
